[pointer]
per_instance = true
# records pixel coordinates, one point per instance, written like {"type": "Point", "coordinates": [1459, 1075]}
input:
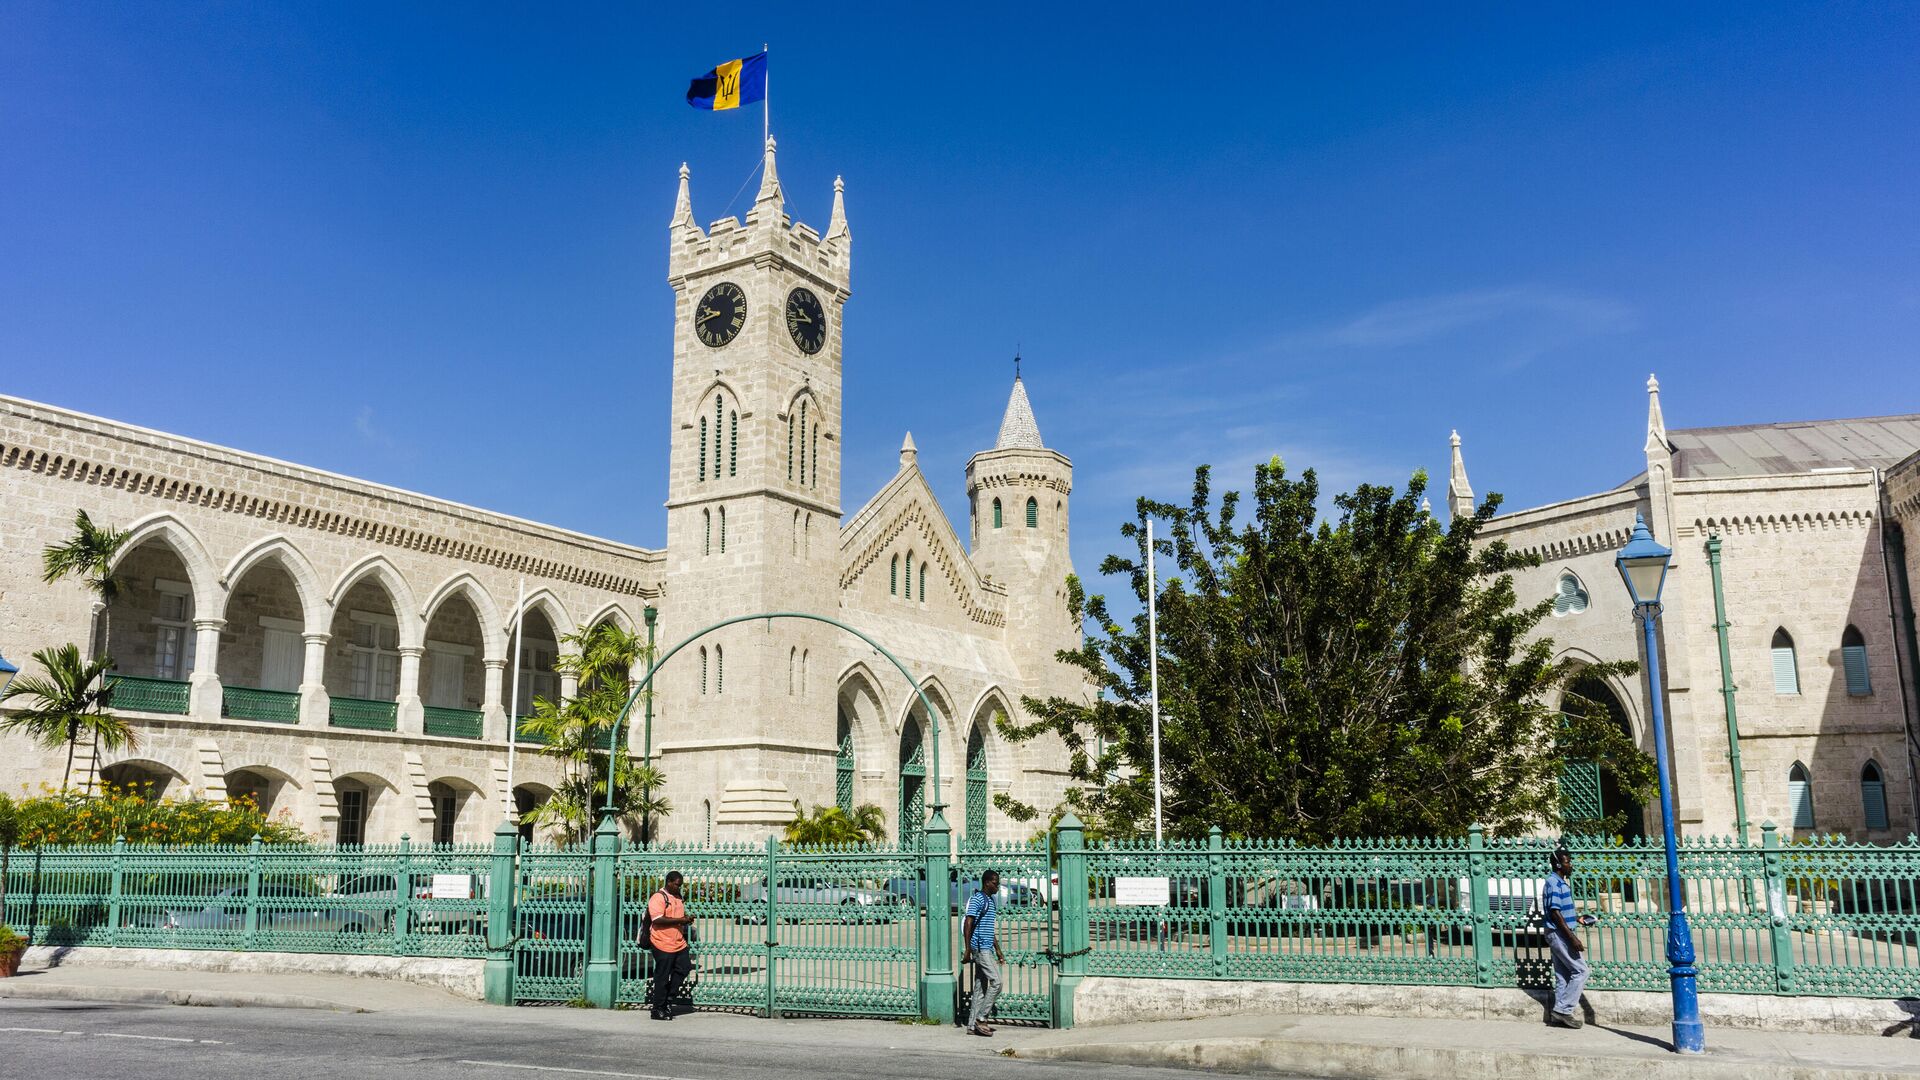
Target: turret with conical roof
{"type": "Point", "coordinates": [1018, 493]}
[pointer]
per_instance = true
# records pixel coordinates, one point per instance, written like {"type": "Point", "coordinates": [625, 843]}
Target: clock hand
{"type": "Point", "coordinates": [707, 314]}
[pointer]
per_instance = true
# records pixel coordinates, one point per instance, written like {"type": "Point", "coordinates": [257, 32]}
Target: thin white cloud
{"type": "Point", "coordinates": [1511, 326]}
{"type": "Point", "coordinates": [363, 423]}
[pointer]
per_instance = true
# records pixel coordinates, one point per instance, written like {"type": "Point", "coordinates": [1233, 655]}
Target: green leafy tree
{"type": "Point", "coordinates": [575, 732]}
{"type": "Point", "coordinates": [1370, 674]}
{"type": "Point", "coordinates": [70, 701]}
{"type": "Point", "coordinates": [833, 825]}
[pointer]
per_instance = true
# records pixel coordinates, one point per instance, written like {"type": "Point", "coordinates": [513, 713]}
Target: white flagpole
{"type": "Point", "coordinates": [1153, 676]}
{"type": "Point", "coordinates": [513, 700]}
{"type": "Point", "coordinates": [766, 102]}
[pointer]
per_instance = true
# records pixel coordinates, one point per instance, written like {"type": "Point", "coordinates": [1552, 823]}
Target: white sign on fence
{"type": "Point", "coordinates": [1141, 891]}
{"type": "Point", "coordinates": [453, 886]}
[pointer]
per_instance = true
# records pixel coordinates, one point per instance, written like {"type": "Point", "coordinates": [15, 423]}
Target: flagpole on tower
{"type": "Point", "coordinates": [766, 104]}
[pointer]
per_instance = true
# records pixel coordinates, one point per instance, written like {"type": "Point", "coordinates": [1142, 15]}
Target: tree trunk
{"type": "Point", "coordinates": [66, 779]}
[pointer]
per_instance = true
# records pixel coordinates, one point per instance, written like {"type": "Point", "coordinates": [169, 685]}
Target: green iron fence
{"type": "Point", "coordinates": [876, 931]}
{"type": "Point", "coordinates": [394, 899]}
{"type": "Point", "coordinates": [272, 706]}
{"type": "Point", "coordinates": [141, 694]}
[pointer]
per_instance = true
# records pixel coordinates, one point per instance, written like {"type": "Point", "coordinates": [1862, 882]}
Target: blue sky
{"type": "Point", "coordinates": [427, 246]}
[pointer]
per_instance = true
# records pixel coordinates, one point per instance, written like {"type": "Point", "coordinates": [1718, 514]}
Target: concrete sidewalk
{"type": "Point", "coordinates": [1380, 1048]}
{"type": "Point", "coordinates": [282, 990]}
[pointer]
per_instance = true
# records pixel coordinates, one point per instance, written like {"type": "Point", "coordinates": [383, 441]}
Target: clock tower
{"type": "Point", "coordinates": [753, 511]}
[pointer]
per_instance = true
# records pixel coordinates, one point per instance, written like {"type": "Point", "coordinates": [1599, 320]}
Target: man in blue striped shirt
{"type": "Point", "coordinates": [1569, 960]}
{"type": "Point", "coordinates": [983, 950]}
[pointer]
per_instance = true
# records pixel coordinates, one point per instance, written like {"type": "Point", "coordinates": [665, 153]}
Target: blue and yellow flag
{"type": "Point", "coordinates": [731, 85]}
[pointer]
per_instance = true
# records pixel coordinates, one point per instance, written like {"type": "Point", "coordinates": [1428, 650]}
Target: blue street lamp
{"type": "Point", "coordinates": [1643, 566]}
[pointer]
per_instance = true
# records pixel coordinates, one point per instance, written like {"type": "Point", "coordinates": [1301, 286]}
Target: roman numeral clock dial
{"type": "Point", "coordinates": [806, 320]}
{"type": "Point", "coordinates": [720, 314]}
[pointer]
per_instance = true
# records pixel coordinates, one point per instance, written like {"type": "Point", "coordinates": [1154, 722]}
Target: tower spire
{"type": "Point", "coordinates": [770, 192]}
{"type": "Point", "coordinates": [683, 205]}
{"type": "Point", "coordinates": [1656, 423]}
{"type": "Point", "coordinates": [1018, 428]}
{"type": "Point", "coordinates": [909, 453]}
{"type": "Point", "coordinates": [1459, 492]}
{"type": "Point", "coordinates": [837, 224]}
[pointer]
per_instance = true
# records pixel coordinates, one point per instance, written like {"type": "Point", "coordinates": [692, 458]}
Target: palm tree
{"type": "Point", "coordinates": [832, 825]}
{"type": "Point", "coordinates": [72, 698]}
{"type": "Point", "coordinates": [89, 552]}
{"type": "Point", "coordinates": [575, 732]}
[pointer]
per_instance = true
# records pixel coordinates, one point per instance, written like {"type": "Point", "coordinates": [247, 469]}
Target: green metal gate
{"type": "Point", "coordinates": [1027, 926]}
{"type": "Point", "coordinates": [550, 925]}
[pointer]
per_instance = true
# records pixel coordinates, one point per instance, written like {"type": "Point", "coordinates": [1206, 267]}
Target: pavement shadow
{"type": "Point", "coordinates": [1911, 1025]}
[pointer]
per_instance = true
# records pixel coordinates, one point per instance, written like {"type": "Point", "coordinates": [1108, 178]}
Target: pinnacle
{"type": "Point", "coordinates": [1018, 428]}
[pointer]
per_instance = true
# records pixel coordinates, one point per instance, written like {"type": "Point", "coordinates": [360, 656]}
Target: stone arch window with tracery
{"type": "Point", "coordinates": [913, 783]}
{"type": "Point", "coordinates": [909, 573]}
{"type": "Point", "coordinates": [1570, 596]}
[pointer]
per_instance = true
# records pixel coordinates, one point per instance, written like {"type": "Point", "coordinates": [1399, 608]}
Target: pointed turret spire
{"type": "Point", "coordinates": [1656, 423]}
{"type": "Point", "coordinates": [837, 224]}
{"type": "Point", "coordinates": [909, 453]}
{"type": "Point", "coordinates": [770, 192]}
{"type": "Point", "coordinates": [1459, 492]}
{"type": "Point", "coordinates": [683, 204]}
{"type": "Point", "coordinates": [1018, 428]}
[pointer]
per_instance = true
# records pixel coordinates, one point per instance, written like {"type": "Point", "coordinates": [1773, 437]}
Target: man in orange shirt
{"type": "Point", "coordinates": [667, 924]}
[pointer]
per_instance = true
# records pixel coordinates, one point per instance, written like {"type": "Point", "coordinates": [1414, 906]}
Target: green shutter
{"type": "Point", "coordinates": [893, 576]}
{"type": "Point", "coordinates": [996, 513]}
{"type": "Point", "coordinates": [789, 446]}
{"type": "Point", "coordinates": [1800, 796]}
{"type": "Point", "coordinates": [1033, 514]}
{"type": "Point", "coordinates": [1786, 678]}
{"type": "Point", "coordinates": [1854, 659]}
{"type": "Point", "coordinates": [1873, 797]}
{"type": "Point", "coordinates": [703, 448]}
{"type": "Point", "coordinates": [733, 443]}
{"type": "Point", "coordinates": [923, 583]}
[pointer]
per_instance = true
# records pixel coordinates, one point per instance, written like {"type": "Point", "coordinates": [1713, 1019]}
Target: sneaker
{"type": "Point", "coordinates": [1565, 1020]}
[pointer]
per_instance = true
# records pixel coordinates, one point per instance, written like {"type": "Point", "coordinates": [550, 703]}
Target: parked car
{"type": "Point", "coordinates": [851, 902]}
{"type": "Point", "coordinates": [224, 910]}
{"type": "Point", "coordinates": [1013, 894]}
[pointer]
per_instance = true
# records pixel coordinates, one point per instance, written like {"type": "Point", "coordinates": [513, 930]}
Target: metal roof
{"type": "Point", "coordinates": [1794, 447]}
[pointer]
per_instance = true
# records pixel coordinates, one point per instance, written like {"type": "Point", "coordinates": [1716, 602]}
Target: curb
{"type": "Point", "coordinates": [152, 995]}
{"type": "Point", "coordinates": [1360, 1061]}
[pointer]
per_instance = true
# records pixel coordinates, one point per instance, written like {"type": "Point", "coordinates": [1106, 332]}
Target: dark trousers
{"type": "Point", "coordinates": [670, 971]}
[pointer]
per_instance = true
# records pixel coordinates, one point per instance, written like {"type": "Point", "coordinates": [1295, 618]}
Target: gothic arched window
{"type": "Point", "coordinates": [719, 414]}
{"type": "Point", "coordinates": [723, 530]}
{"type": "Point", "coordinates": [789, 444]}
{"type": "Point", "coordinates": [893, 577]}
{"type": "Point", "coordinates": [1033, 513]}
{"type": "Point", "coordinates": [1873, 795]}
{"type": "Point", "coordinates": [1853, 658]}
{"type": "Point", "coordinates": [706, 544]}
{"type": "Point", "coordinates": [1800, 795]}
{"type": "Point", "coordinates": [733, 443]}
{"type": "Point", "coordinates": [996, 513]}
{"type": "Point", "coordinates": [719, 670]}
{"type": "Point", "coordinates": [909, 575]}
{"type": "Point", "coordinates": [1786, 671]}
{"type": "Point", "coordinates": [923, 583]}
{"type": "Point", "coordinates": [703, 448]}
{"type": "Point", "coordinates": [703, 671]}
{"type": "Point", "coordinates": [1570, 597]}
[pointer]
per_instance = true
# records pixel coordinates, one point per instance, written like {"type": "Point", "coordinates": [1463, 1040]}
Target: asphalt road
{"type": "Point", "coordinates": [48, 1040]}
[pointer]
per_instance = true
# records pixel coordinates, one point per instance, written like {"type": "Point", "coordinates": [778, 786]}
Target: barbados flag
{"type": "Point", "coordinates": [731, 85]}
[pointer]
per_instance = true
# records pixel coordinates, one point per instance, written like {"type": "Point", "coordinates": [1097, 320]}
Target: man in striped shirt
{"type": "Point", "coordinates": [983, 950]}
{"type": "Point", "coordinates": [1569, 959]}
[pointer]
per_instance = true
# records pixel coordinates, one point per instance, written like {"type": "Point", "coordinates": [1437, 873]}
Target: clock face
{"type": "Point", "coordinates": [806, 320]}
{"type": "Point", "coordinates": [721, 314]}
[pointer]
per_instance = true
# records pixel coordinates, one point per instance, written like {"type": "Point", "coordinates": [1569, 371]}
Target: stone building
{"type": "Point", "coordinates": [341, 650]}
{"type": "Point", "coordinates": [1807, 522]}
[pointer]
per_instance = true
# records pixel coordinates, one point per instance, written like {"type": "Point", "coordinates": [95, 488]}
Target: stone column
{"type": "Point", "coordinates": [569, 686]}
{"type": "Point", "coordinates": [203, 686]}
{"type": "Point", "coordinates": [493, 713]}
{"type": "Point", "coordinates": [413, 715]}
{"type": "Point", "coordinates": [314, 700]}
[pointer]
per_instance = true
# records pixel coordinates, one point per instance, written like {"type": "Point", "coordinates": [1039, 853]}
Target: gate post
{"type": "Point", "coordinates": [1217, 902]}
{"type": "Point", "coordinates": [114, 890]}
{"type": "Point", "coordinates": [937, 983]}
{"type": "Point", "coordinates": [250, 930]}
{"type": "Point", "coordinates": [502, 880]}
{"type": "Point", "coordinates": [1072, 895]}
{"type": "Point", "coordinates": [1482, 928]}
{"type": "Point", "coordinates": [402, 895]}
{"type": "Point", "coordinates": [603, 917]}
{"type": "Point", "coordinates": [1777, 915]}
{"type": "Point", "coordinates": [773, 922]}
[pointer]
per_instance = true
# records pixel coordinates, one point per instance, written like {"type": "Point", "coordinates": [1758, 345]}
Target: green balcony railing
{"type": "Point", "coordinates": [249, 703]}
{"type": "Point", "coordinates": [453, 723]}
{"type": "Point", "coordinates": [142, 694]}
{"type": "Point", "coordinates": [525, 737]}
{"type": "Point", "coordinates": [363, 715]}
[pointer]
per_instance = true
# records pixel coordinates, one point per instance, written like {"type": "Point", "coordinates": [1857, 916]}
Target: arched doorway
{"type": "Point", "coordinates": [526, 799]}
{"type": "Point", "coordinates": [843, 763]}
{"type": "Point", "coordinates": [976, 833]}
{"type": "Point", "coordinates": [265, 788]}
{"type": "Point", "coordinates": [147, 779]}
{"type": "Point", "coordinates": [913, 784]}
{"type": "Point", "coordinates": [1592, 799]}
{"type": "Point", "coordinates": [452, 802]}
{"type": "Point", "coordinates": [263, 655]}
